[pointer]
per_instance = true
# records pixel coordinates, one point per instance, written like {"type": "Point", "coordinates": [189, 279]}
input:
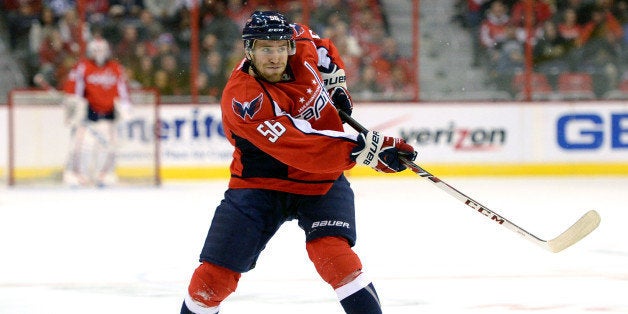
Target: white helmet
{"type": "Point", "coordinates": [99, 51]}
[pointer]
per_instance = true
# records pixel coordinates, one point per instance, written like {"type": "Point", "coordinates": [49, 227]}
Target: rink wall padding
{"type": "Point", "coordinates": [453, 139]}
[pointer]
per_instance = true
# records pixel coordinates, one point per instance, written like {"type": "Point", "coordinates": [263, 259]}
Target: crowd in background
{"type": "Point", "coordinates": [584, 37]}
{"type": "Point", "coordinates": [152, 39]}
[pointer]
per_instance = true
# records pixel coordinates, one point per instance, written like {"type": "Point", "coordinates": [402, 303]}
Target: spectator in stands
{"type": "Point", "coordinates": [551, 53]}
{"type": "Point", "coordinates": [323, 12]}
{"type": "Point", "coordinates": [473, 17]}
{"type": "Point", "coordinates": [563, 5]}
{"type": "Point", "coordinates": [209, 42]}
{"type": "Point", "coordinates": [182, 34]}
{"type": "Point", "coordinates": [362, 25]}
{"type": "Point", "coordinates": [59, 7]}
{"type": "Point", "coordinates": [165, 45]}
{"type": "Point", "coordinates": [368, 87]}
{"type": "Point", "coordinates": [621, 9]}
{"type": "Point", "coordinates": [214, 70]}
{"type": "Point", "coordinates": [293, 11]}
{"type": "Point", "coordinates": [130, 8]}
{"type": "Point", "coordinates": [506, 59]}
{"type": "Point", "coordinates": [19, 24]}
{"type": "Point", "coordinates": [162, 83]}
{"type": "Point", "coordinates": [219, 25]}
{"type": "Point", "coordinates": [400, 85]}
{"type": "Point", "coordinates": [96, 10]}
{"type": "Point", "coordinates": [543, 10]}
{"type": "Point", "coordinates": [233, 58]}
{"type": "Point", "coordinates": [144, 71]}
{"type": "Point", "coordinates": [124, 50]}
{"type": "Point", "coordinates": [217, 22]}
{"type": "Point", "coordinates": [602, 25]}
{"type": "Point", "coordinates": [53, 54]}
{"type": "Point", "coordinates": [239, 11]}
{"type": "Point", "coordinates": [166, 12]}
{"type": "Point", "coordinates": [493, 28]}
{"type": "Point", "coordinates": [41, 28]}
{"type": "Point", "coordinates": [568, 26]}
{"type": "Point", "coordinates": [338, 31]}
{"type": "Point", "coordinates": [390, 51]}
{"type": "Point", "coordinates": [178, 77]}
{"type": "Point", "coordinates": [39, 31]}
{"type": "Point", "coordinates": [348, 48]}
{"type": "Point", "coordinates": [148, 27]}
{"type": "Point", "coordinates": [10, 6]}
{"type": "Point", "coordinates": [71, 31]}
{"type": "Point", "coordinates": [601, 49]}
{"type": "Point", "coordinates": [202, 87]}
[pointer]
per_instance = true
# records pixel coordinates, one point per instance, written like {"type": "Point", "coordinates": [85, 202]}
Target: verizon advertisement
{"type": "Point", "coordinates": [452, 133]}
{"type": "Point", "coordinates": [509, 133]}
{"type": "Point", "coordinates": [191, 136]}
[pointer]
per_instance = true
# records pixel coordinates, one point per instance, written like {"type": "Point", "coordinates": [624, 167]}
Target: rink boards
{"type": "Point", "coordinates": [558, 138]}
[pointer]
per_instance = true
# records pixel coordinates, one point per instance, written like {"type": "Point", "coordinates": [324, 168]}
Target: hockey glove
{"type": "Point", "coordinates": [382, 152]}
{"type": "Point", "coordinates": [342, 100]}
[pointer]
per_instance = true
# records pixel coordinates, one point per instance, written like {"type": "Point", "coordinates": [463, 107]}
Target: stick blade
{"type": "Point", "coordinates": [585, 225]}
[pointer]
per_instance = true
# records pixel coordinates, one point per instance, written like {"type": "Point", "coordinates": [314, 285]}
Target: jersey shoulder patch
{"type": "Point", "coordinates": [247, 108]}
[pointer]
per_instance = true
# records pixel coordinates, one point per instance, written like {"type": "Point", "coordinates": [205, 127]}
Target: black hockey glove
{"type": "Point", "coordinates": [382, 152]}
{"type": "Point", "coordinates": [341, 99]}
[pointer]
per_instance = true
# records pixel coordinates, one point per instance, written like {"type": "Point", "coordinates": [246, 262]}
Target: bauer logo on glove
{"type": "Point", "coordinates": [382, 153]}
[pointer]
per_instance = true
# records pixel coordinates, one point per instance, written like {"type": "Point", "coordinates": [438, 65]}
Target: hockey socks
{"type": "Point", "coordinates": [359, 297]}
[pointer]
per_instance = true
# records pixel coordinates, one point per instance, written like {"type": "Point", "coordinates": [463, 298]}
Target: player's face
{"type": "Point", "coordinates": [270, 57]}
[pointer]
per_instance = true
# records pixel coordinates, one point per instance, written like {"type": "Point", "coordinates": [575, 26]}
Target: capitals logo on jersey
{"type": "Point", "coordinates": [247, 108]}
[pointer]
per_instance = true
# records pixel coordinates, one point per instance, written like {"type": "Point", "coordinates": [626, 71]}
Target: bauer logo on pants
{"type": "Point", "coordinates": [330, 223]}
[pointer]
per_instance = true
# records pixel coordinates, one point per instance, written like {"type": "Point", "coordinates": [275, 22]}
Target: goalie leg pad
{"type": "Point", "coordinates": [210, 284]}
{"type": "Point", "coordinates": [104, 134]}
{"type": "Point", "coordinates": [334, 260]}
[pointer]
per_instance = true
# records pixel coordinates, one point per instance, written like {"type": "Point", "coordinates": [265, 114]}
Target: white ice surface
{"type": "Point", "coordinates": [132, 250]}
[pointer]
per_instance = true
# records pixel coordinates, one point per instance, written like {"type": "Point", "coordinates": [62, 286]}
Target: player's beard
{"type": "Point", "coordinates": [271, 72]}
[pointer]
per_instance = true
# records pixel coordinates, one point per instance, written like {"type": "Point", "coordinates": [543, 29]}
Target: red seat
{"type": "Point", "coordinates": [540, 87]}
{"type": "Point", "coordinates": [623, 85]}
{"type": "Point", "coordinates": [575, 85]}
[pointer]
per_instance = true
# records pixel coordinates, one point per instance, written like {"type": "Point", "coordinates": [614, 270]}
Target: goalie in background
{"type": "Point", "coordinates": [97, 96]}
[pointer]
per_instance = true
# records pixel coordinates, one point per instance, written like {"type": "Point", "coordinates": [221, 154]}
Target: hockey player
{"type": "Point", "coordinates": [290, 153]}
{"type": "Point", "coordinates": [97, 95]}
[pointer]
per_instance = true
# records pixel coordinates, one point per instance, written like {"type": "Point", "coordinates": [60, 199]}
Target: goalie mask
{"type": "Point", "coordinates": [267, 25]}
{"type": "Point", "coordinates": [99, 51]}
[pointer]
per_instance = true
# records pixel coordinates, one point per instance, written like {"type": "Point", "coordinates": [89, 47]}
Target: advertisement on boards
{"type": "Point", "coordinates": [191, 136]}
{"type": "Point", "coordinates": [452, 133]}
{"type": "Point", "coordinates": [590, 132]}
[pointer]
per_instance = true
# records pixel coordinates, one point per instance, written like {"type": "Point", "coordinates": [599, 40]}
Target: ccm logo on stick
{"type": "Point", "coordinates": [484, 211]}
{"type": "Point", "coordinates": [586, 131]}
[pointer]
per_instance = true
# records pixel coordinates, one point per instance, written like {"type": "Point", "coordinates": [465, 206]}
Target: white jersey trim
{"type": "Point", "coordinates": [305, 126]}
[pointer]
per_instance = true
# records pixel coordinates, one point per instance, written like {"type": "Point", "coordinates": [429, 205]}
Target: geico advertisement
{"type": "Point", "coordinates": [588, 132]}
{"type": "Point", "coordinates": [452, 133]}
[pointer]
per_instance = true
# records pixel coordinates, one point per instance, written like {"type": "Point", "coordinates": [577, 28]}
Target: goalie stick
{"type": "Point", "coordinates": [580, 229]}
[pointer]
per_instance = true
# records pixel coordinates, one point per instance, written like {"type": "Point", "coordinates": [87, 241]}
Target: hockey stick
{"type": "Point", "coordinates": [580, 229]}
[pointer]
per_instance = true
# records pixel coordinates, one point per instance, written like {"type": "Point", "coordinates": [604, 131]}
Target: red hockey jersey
{"type": "Point", "coordinates": [99, 85]}
{"type": "Point", "coordinates": [287, 135]}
